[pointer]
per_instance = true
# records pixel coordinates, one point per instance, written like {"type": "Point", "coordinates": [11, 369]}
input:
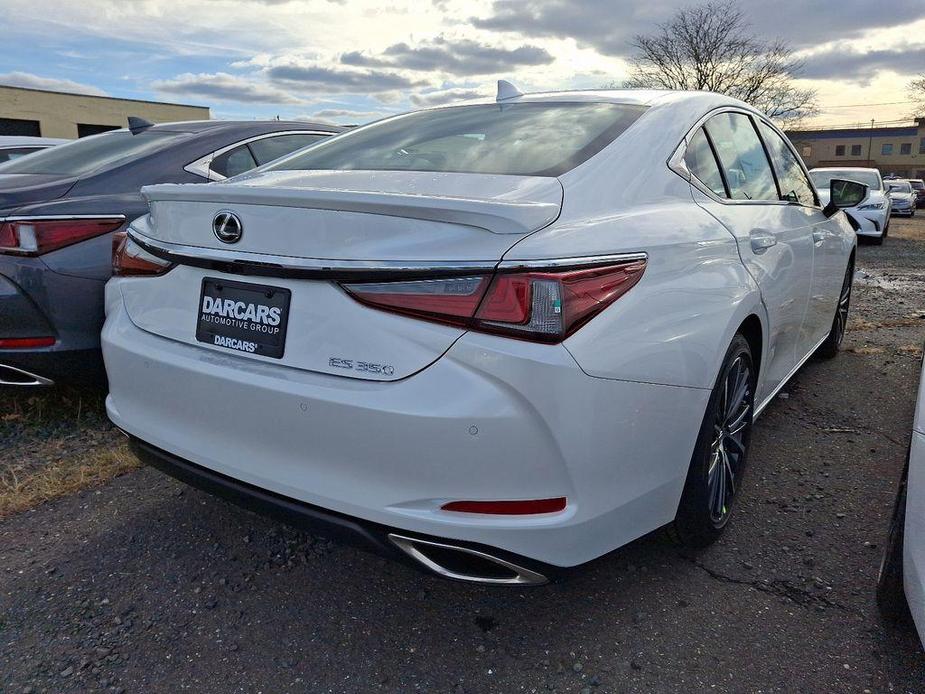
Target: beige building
{"type": "Point", "coordinates": [59, 114]}
{"type": "Point", "coordinates": [893, 150]}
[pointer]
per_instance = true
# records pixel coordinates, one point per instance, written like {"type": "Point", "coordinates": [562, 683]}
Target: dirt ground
{"type": "Point", "coordinates": [142, 584]}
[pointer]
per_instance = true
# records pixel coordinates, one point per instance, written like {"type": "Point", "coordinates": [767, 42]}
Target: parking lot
{"type": "Point", "coordinates": [141, 583]}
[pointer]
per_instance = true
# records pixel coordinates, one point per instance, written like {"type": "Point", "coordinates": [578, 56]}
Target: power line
{"type": "Point", "coordinates": [883, 103]}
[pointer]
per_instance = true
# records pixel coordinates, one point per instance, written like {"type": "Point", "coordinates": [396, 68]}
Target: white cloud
{"type": "Point", "coordinates": [342, 116]}
{"type": "Point", "coordinates": [30, 81]}
{"type": "Point", "coordinates": [224, 87]}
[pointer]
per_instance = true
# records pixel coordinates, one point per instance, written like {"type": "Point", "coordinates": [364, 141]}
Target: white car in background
{"type": "Point", "coordinates": [901, 586]}
{"type": "Point", "coordinates": [14, 146]}
{"type": "Point", "coordinates": [870, 219]}
{"type": "Point", "coordinates": [902, 197]}
{"type": "Point", "coordinates": [496, 338]}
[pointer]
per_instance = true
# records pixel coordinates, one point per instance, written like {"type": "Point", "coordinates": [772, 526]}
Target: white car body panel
{"type": "Point", "coordinates": [469, 415]}
{"type": "Point", "coordinates": [914, 534]}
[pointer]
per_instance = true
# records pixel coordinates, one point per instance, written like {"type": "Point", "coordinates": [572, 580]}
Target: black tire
{"type": "Point", "coordinates": [720, 453]}
{"type": "Point", "coordinates": [829, 349]}
{"type": "Point", "coordinates": [891, 597]}
{"type": "Point", "coordinates": [878, 240]}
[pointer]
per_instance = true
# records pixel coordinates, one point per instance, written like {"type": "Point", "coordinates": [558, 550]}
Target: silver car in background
{"type": "Point", "coordinates": [902, 197]}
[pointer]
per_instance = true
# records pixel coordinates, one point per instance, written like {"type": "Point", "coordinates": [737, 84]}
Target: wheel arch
{"type": "Point", "coordinates": [752, 330]}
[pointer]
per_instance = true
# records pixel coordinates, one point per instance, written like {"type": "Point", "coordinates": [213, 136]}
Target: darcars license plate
{"type": "Point", "coordinates": [245, 317]}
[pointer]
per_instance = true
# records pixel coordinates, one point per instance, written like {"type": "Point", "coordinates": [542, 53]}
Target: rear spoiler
{"type": "Point", "coordinates": [492, 214]}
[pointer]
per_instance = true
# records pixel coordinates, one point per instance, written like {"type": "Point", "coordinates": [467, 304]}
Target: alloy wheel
{"type": "Point", "coordinates": [731, 428]}
{"type": "Point", "coordinates": [844, 301]}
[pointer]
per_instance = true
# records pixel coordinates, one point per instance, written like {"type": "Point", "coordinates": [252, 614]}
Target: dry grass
{"type": "Point", "coordinates": [911, 350]}
{"type": "Point", "coordinates": [31, 487]}
{"type": "Point", "coordinates": [866, 349]}
{"type": "Point", "coordinates": [861, 325]}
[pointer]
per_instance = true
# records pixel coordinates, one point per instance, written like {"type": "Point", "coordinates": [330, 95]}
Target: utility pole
{"type": "Point", "coordinates": [870, 143]}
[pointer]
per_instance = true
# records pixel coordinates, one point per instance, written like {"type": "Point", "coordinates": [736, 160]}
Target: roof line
{"type": "Point", "coordinates": [101, 96]}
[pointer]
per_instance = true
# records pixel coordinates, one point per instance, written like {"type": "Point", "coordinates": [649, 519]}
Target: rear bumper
{"type": "Point", "coordinates": [38, 302]}
{"type": "Point", "coordinates": [491, 419]}
{"type": "Point", "coordinates": [370, 537]}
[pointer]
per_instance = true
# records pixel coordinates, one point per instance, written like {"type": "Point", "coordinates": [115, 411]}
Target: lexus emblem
{"type": "Point", "coordinates": [227, 227]}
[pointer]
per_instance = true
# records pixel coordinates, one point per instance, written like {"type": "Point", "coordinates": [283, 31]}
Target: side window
{"type": "Point", "coordinates": [701, 162]}
{"type": "Point", "coordinates": [16, 153]}
{"type": "Point", "coordinates": [794, 186]}
{"type": "Point", "coordinates": [270, 148]}
{"type": "Point", "coordinates": [742, 157]}
{"type": "Point", "coordinates": [233, 162]}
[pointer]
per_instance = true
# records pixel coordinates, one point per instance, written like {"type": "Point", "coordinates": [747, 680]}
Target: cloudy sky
{"type": "Point", "coordinates": [354, 60]}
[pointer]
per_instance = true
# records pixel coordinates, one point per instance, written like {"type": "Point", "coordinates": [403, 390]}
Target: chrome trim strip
{"type": "Point", "coordinates": [246, 262]}
{"type": "Point", "coordinates": [36, 379]}
{"type": "Point", "coordinates": [676, 160]}
{"type": "Point", "coordinates": [54, 217]}
{"type": "Point", "coordinates": [182, 254]}
{"type": "Point", "coordinates": [767, 400]}
{"type": "Point", "coordinates": [522, 577]}
{"type": "Point", "coordinates": [578, 261]}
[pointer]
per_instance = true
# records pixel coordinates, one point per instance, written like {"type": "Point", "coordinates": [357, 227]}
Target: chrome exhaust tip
{"type": "Point", "coordinates": [465, 564]}
{"type": "Point", "coordinates": [14, 376]}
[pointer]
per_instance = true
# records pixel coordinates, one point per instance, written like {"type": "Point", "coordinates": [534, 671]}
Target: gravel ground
{"type": "Point", "coordinates": [146, 585]}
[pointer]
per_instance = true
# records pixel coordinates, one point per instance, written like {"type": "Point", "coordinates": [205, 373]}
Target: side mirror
{"type": "Point", "coordinates": [844, 194]}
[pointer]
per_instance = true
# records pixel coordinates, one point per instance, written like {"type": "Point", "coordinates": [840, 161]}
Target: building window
{"type": "Point", "coordinates": [85, 129]}
{"type": "Point", "coordinates": [807, 150]}
{"type": "Point", "coordinates": [922, 146]}
{"type": "Point", "coordinates": [855, 150]}
{"type": "Point", "coordinates": [839, 150]}
{"type": "Point", "coordinates": [15, 126]}
{"type": "Point", "coordinates": [886, 148]}
{"type": "Point", "coordinates": [905, 148]}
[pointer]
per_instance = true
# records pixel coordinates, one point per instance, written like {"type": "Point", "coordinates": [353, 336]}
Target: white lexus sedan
{"type": "Point", "coordinates": [870, 218]}
{"type": "Point", "coordinates": [901, 584]}
{"type": "Point", "coordinates": [495, 339]}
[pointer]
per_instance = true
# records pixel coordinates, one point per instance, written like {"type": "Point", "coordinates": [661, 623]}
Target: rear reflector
{"type": "Point", "coordinates": [538, 305]}
{"type": "Point", "coordinates": [32, 237]}
{"type": "Point", "coordinates": [508, 508]}
{"type": "Point", "coordinates": [131, 260]}
{"type": "Point", "coordinates": [25, 342]}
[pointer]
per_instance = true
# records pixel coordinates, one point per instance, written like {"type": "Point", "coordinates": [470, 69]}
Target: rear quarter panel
{"type": "Point", "coordinates": [674, 326]}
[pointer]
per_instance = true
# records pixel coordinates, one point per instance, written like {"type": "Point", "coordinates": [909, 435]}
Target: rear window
{"type": "Point", "coordinates": [524, 139]}
{"type": "Point", "coordinates": [90, 153]}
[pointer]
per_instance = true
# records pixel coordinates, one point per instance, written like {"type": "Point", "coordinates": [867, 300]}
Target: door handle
{"type": "Point", "coordinates": [761, 240]}
{"type": "Point", "coordinates": [818, 236]}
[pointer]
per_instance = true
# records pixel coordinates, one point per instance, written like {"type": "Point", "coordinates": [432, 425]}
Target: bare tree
{"type": "Point", "coordinates": [711, 47]}
{"type": "Point", "coordinates": [917, 95]}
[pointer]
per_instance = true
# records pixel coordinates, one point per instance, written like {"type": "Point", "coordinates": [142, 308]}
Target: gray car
{"type": "Point", "coordinates": [59, 209]}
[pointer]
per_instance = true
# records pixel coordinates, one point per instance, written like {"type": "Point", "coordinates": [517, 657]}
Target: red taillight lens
{"type": "Point", "coordinates": [508, 508]}
{"type": "Point", "coordinates": [130, 260]}
{"type": "Point", "coordinates": [531, 304]}
{"type": "Point", "coordinates": [26, 342]}
{"type": "Point", "coordinates": [37, 236]}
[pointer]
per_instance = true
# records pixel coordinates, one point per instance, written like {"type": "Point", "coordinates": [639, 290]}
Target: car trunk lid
{"type": "Point", "coordinates": [335, 225]}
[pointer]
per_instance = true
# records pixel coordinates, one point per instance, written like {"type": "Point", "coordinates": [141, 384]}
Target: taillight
{"type": "Point", "coordinates": [532, 304]}
{"type": "Point", "coordinates": [33, 237]}
{"type": "Point", "coordinates": [130, 260]}
{"type": "Point", "coordinates": [524, 507]}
